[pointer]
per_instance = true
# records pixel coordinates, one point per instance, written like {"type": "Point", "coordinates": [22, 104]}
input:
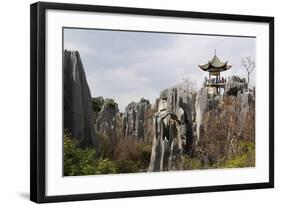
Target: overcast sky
{"type": "Point", "coordinates": [126, 66]}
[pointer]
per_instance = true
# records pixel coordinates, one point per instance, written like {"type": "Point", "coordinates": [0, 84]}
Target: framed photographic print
{"type": "Point", "coordinates": [129, 102]}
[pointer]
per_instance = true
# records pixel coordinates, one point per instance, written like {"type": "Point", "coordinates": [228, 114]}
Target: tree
{"type": "Point", "coordinates": [249, 64]}
{"type": "Point", "coordinates": [187, 84]}
{"type": "Point", "coordinates": [84, 161]}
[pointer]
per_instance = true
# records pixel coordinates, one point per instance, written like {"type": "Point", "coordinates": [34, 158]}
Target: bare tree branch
{"type": "Point", "coordinates": [248, 64]}
{"type": "Point", "coordinates": [187, 84]}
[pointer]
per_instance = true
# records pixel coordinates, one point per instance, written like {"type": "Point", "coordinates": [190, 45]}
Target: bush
{"type": "Point", "coordinates": [84, 162]}
{"type": "Point", "coordinates": [144, 155]}
{"type": "Point", "coordinates": [105, 166]}
{"type": "Point", "coordinates": [97, 104]}
{"type": "Point", "coordinates": [105, 145]}
{"type": "Point", "coordinates": [236, 162]}
{"type": "Point", "coordinates": [76, 160]}
{"type": "Point", "coordinates": [127, 166]}
{"type": "Point", "coordinates": [189, 163]}
{"type": "Point", "coordinates": [110, 103]}
{"type": "Point", "coordinates": [245, 159]}
{"type": "Point", "coordinates": [132, 154]}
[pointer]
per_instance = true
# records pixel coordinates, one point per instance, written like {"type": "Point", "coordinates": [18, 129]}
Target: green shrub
{"type": "Point", "coordinates": [237, 161]}
{"type": "Point", "coordinates": [127, 166]}
{"type": "Point", "coordinates": [76, 159]}
{"type": "Point", "coordinates": [245, 159]}
{"type": "Point", "coordinates": [110, 103]}
{"type": "Point", "coordinates": [189, 163]}
{"type": "Point", "coordinates": [97, 104]}
{"type": "Point", "coordinates": [105, 166]}
{"type": "Point", "coordinates": [105, 145]}
{"type": "Point", "coordinates": [84, 162]}
{"type": "Point", "coordinates": [144, 155]}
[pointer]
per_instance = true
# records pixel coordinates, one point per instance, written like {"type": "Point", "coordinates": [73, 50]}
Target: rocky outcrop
{"type": "Point", "coordinates": [246, 108]}
{"type": "Point", "coordinates": [136, 119]}
{"type": "Point", "coordinates": [106, 117]}
{"type": "Point", "coordinates": [200, 126]}
{"type": "Point", "coordinates": [97, 103]}
{"type": "Point", "coordinates": [173, 128]}
{"type": "Point", "coordinates": [234, 84]}
{"type": "Point", "coordinates": [200, 107]}
{"type": "Point", "coordinates": [78, 115]}
{"type": "Point", "coordinates": [227, 121]}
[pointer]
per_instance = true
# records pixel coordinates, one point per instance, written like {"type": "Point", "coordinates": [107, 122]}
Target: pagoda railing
{"type": "Point", "coordinates": [215, 82]}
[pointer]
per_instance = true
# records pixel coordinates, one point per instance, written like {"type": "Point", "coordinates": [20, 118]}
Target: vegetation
{"type": "Point", "coordinates": [224, 143]}
{"type": "Point", "coordinates": [127, 166]}
{"type": "Point", "coordinates": [131, 156]}
{"type": "Point", "coordinates": [111, 103]}
{"type": "Point", "coordinates": [104, 145]}
{"type": "Point", "coordinates": [97, 104]}
{"type": "Point", "coordinates": [248, 64]}
{"type": "Point", "coordinates": [189, 163]}
{"type": "Point", "coordinates": [245, 159]}
{"type": "Point", "coordinates": [84, 162]}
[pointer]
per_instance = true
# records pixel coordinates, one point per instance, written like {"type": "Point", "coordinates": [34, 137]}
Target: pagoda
{"type": "Point", "coordinates": [215, 83]}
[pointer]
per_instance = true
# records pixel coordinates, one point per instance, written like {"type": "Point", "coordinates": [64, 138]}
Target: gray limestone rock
{"type": "Point", "coordinates": [135, 119]}
{"type": "Point", "coordinates": [105, 122]}
{"type": "Point", "coordinates": [226, 121]}
{"type": "Point", "coordinates": [78, 115]}
{"type": "Point", "coordinates": [173, 128]}
{"type": "Point", "coordinates": [200, 107]}
{"type": "Point", "coordinates": [234, 84]}
{"type": "Point", "coordinates": [185, 123]}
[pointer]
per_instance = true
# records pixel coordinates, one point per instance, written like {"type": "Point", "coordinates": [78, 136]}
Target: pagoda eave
{"type": "Point", "coordinates": [215, 69]}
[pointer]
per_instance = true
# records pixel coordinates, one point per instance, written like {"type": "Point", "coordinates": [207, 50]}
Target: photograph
{"type": "Point", "coordinates": [147, 101]}
{"type": "Point", "coordinates": [134, 102]}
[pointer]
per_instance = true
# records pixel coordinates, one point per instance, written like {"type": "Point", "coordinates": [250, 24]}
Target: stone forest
{"type": "Point", "coordinates": [183, 129]}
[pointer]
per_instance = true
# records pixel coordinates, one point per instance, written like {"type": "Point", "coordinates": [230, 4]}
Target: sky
{"type": "Point", "coordinates": [126, 65]}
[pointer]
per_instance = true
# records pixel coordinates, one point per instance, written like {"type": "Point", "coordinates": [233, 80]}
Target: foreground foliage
{"type": "Point", "coordinates": [130, 156]}
{"type": "Point", "coordinates": [84, 162]}
{"type": "Point", "coordinates": [244, 158]}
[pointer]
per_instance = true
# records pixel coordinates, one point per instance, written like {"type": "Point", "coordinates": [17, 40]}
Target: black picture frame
{"type": "Point", "coordinates": [38, 100]}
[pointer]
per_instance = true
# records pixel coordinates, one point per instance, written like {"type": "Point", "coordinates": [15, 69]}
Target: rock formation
{"type": "Point", "coordinates": [227, 121]}
{"type": "Point", "coordinates": [197, 125]}
{"type": "Point", "coordinates": [200, 107]}
{"type": "Point", "coordinates": [105, 122]}
{"type": "Point", "coordinates": [235, 84]}
{"type": "Point", "coordinates": [97, 103]}
{"type": "Point", "coordinates": [183, 124]}
{"type": "Point", "coordinates": [78, 115]}
{"type": "Point", "coordinates": [173, 128]}
{"type": "Point", "coordinates": [136, 119]}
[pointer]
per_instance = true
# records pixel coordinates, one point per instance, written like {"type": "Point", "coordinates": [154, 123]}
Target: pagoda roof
{"type": "Point", "coordinates": [215, 65]}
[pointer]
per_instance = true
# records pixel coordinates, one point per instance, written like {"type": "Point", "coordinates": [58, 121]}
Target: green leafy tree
{"type": "Point", "coordinates": [84, 162]}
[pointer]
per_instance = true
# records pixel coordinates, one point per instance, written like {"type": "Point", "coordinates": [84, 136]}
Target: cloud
{"type": "Point", "coordinates": [126, 66]}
